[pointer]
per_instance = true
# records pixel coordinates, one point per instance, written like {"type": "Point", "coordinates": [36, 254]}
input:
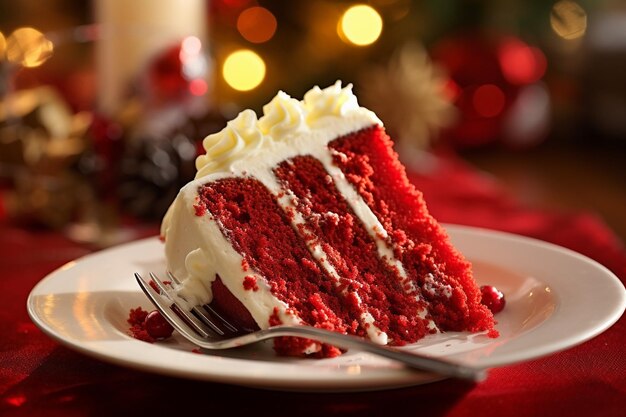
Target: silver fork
{"type": "Point", "coordinates": [205, 328]}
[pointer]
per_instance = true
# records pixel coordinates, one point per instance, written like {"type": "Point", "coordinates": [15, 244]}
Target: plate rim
{"type": "Point", "coordinates": [398, 378]}
{"type": "Point", "coordinates": [611, 279]}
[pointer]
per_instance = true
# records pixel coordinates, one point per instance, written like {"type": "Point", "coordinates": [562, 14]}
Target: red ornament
{"type": "Point", "coordinates": [178, 72]}
{"type": "Point", "coordinates": [108, 145]}
{"type": "Point", "coordinates": [166, 75]}
{"type": "Point", "coordinates": [487, 77]}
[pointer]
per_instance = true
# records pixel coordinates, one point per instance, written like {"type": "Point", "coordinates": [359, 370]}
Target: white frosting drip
{"type": "Point", "coordinates": [247, 147]}
{"type": "Point", "coordinates": [373, 332]}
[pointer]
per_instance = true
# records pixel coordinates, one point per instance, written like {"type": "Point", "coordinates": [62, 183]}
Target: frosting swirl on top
{"type": "Point", "coordinates": [281, 116]}
{"type": "Point", "coordinates": [284, 119]}
{"type": "Point", "coordinates": [240, 135]}
{"type": "Point", "coordinates": [331, 101]}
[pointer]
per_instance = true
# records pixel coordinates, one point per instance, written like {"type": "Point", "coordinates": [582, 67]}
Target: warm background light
{"type": "Point", "coordinates": [568, 19]}
{"type": "Point", "coordinates": [361, 25]}
{"type": "Point", "coordinates": [243, 70]}
{"type": "Point", "coordinates": [191, 45]}
{"type": "Point", "coordinates": [520, 63]}
{"type": "Point", "coordinates": [256, 24]}
{"type": "Point", "coordinates": [194, 65]}
{"type": "Point", "coordinates": [28, 47]}
{"type": "Point", "coordinates": [3, 46]}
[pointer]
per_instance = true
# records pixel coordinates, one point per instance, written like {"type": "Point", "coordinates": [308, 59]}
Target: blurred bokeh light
{"type": "Point", "coordinates": [360, 25]}
{"type": "Point", "coordinates": [28, 47]}
{"type": "Point", "coordinates": [244, 70]}
{"type": "Point", "coordinates": [256, 24]}
{"type": "Point", "coordinates": [3, 46]}
{"type": "Point", "coordinates": [568, 19]}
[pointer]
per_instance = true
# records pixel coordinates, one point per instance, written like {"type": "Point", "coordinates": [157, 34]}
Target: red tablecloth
{"type": "Point", "coordinates": [40, 377]}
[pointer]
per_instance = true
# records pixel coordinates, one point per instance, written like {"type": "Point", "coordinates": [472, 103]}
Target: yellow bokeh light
{"type": "Point", "coordinates": [28, 47]}
{"type": "Point", "coordinates": [3, 46]}
{"type": "Point", "coordinates": [243, 70]}
{"type": "Point", "coordinates": [568, 19]}
{"type": "Point", "coordinates": [360, 25]}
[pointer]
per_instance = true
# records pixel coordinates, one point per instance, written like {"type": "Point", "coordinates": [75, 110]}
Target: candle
{"type": "Point", "coordinates": [133, 32]}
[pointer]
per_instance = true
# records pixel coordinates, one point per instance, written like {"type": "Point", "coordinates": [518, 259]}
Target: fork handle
{"type": "Point", "coordinates": [421, 362]}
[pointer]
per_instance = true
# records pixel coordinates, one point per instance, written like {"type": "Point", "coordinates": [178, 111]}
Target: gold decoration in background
{"type": "Point", "coordinates": [568, 19]}
{"type": "Point", "coordinates": [40, 139]}
{"type": "Point", "coordinates": [409, 96]}
{"type": "Point", "coordinates": [28, 47]}
{"type": "Point", "coordinates": [3, 46]}
{"type": "Point", "coordinates": [39, 131]}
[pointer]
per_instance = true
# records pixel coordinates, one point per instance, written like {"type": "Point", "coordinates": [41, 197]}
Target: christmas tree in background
{"type": "Point", "coordinates": [467, 74]}
{"type": "Point", "coordinates": [513, 67]}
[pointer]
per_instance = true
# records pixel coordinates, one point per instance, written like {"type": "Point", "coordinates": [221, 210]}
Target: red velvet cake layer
{"type": "Point", "coordinates": [370, 164]}
{"type": "Point", "coordinates": [277, 243]}
{"type": "Point", "coordinates": [259, 229]}
{"type": "Point", "coordinates": [352, 251]}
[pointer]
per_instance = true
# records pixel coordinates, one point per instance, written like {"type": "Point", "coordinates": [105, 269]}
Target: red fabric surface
{"type": "Point", "coordinates": [40, 377]}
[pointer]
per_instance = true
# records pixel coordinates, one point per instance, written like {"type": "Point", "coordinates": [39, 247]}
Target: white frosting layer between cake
{"type": "Point", "coordinates": [196, 250]}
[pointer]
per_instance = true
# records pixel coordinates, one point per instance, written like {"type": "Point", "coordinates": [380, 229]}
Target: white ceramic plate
{"type": "Point", "coordinates": [556, 299]}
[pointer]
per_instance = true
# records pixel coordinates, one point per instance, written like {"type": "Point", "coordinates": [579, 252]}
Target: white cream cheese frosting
{"type": "Point", "coordinates": [287, 128]}
{"type": "Point", "coordinates": [195, 248]}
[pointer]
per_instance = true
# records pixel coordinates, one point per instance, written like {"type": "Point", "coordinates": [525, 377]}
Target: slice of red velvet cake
{"type": "Point", "coordinates": [306, 216]}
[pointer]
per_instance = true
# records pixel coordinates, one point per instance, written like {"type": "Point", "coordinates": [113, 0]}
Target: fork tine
{"type": "Point", "coordinates": [193, 330]}
{"type": "Point", "coordinates": [158, 283]}
{"type": "Point", "coordinates": [170, 315]}
{"type": "Point", "coordinates": [173, 278]}
{"type": "Point", "coordinates": [225, 322]}
{"type": "Point", "coordinates": [206, 319]}
{"type": "Point", "coordinates": [192, 320]}
{"type": "Point", "coordinates": [199, 313]}
{"type": "Point", "coordinates": [207, 316]}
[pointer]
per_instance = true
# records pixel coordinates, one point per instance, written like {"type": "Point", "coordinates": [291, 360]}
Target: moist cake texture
{"type": "Point", "coordinates": [306, 216]}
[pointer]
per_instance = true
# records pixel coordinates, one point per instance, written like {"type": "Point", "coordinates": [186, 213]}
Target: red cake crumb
{"type": "Point", "coordinates": [249, 283]}
{"type": "Point", "coordinates": [136, 319]}
{"type": "Point", "coordinates": [137, 316]}
{"type": "Point", "coordinates": [275, 318]}
{"type": "Point", "coordinates": [199, 209]}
